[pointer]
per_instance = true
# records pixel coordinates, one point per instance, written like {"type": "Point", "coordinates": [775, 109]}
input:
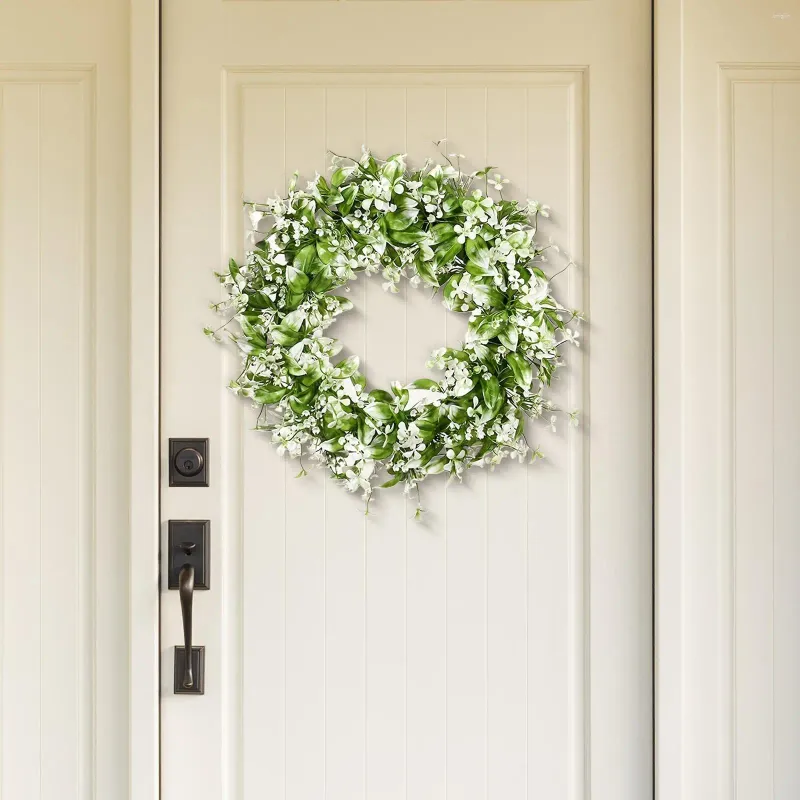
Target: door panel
{"type": "Point", "coordinates": [64, 400]}
{"type": "Point", "coordinates": [352, 656]}
{"type": "Point", "coordinates": [728, 510]}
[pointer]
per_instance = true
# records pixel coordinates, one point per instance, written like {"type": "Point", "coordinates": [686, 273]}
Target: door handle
{"type": "Point", "coordinates": [188, 571]}
{"type": "Point", "coordinates": [186, 591]}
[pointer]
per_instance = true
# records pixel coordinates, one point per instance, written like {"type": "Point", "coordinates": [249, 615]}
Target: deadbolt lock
{"type": "Point", "coordinates": [188, 462]}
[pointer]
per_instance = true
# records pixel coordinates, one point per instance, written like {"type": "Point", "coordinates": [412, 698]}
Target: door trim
{"type": "Point", "coordinates": [145, 75]}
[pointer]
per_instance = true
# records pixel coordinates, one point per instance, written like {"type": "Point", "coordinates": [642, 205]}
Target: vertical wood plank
{"type": "Point", "coordinates": [345, 558]}
{"type": "Point", "coordinates": [754, 426]}
{"type": "Point", "coordinates": [551, 564]}
{"type": "Point", "coordinates": [64, 390]}
{"type": "Point", "coordinates": [306, 529]}
{"type": "Point", "coordinates": [786, 434]}
{"type": "Point", "coordinates": [264, 537]}
{"type": "Point", "coordinates": [466, 535]}
{"type": "Point", "coordinates": [426, 589]}
{"type": "Point", "coordinates": [21, 442]}
{"type": "Point", "coordinates": [507, 516]}
{"type": "Point", "coordinates": [386, 528]}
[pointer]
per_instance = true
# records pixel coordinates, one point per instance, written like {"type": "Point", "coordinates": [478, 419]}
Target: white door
{"type": "Point", "coordinates": [503, 647]}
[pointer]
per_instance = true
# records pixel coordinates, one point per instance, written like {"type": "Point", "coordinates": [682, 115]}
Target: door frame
{"type": "Point", "coordinates": [669, 575]}
{"type": "Point", "coordinates": [144, 652]}
{"type": "Point", "coordinates": [145, 435]}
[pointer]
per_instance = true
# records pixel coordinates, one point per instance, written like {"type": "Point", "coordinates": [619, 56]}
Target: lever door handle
{"type": "Point", "coordinates": [186, 591]}
{"type": "Point", "coordinates": [188, 572]}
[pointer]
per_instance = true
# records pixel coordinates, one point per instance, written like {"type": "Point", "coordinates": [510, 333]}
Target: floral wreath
{"type": "Point", "coordinates": [435, 228]}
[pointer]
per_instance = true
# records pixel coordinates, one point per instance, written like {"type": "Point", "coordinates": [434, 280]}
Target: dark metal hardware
{"type": "Point", "coordinates": [186, 589]}
{"type": "Point", "coordinates": [198, 670]}
{"type": "Point", "coordinates": [188, 462]}
{"type": "Point", "coordinates": [188, 544]}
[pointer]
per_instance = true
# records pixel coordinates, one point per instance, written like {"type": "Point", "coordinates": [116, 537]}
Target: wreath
{"type": "Point", "coordinates": [434, 227]}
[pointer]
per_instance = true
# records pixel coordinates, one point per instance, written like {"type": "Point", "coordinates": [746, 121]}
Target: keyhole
{"type": "Point", "coordinates": [189, 462]}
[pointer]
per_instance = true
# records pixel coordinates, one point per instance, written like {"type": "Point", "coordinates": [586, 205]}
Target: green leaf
{"type": "Point", "coordinates": [442, 232]}
{"type": "Point", "coordinates": [480, 270]}
{"type": "Point", "coordinates": [447, 252]}
{"type": "Point", "coordinates": [333, 445]}
{"type": "Point", "coordinates": [297, 405]}
{"type": "Point", "coordinates": [259, 300]}
{"type": "Point", "coordinates": [425, 271]}
{"type": "Point", "coordinates": [285, 336]}
{"type": "Point", "coordinates": [322, 281]}
{"type": "Point", "coordinates": [450, 204]}
{"type": "Point", "coordinates": [435, 466]}
{"type": "Point", "coordinates": [408, 237]}
{"type": "Point", "coordinates": [292, 367]}
{"type": "Point", "coordinates": [523, 374]}
{"type": "Point", "coordinates": [392, 168]}
{"type": "Point", "coordinates": [493, 395]}
{"type": "Point", "coordinates": [487, 294]}
{"type": "Point", "coordinates": [425, 383]}
{"type": "Point", "coordinates": [296, 281]}
{"type": "Point", "coordinates": [366, 430]}
{"type": "Point", "coordinates": [293, 320]}
{"type": "Point", "coordinates": [478, 252]}
{"type": "Point", "coordinates": [381, 396]}
{"type": "Point", "coordinates": [393, 481]}
{"type": "Point", "coordinates": [339, 176]}
{"type": "Point", "coordinates": [404, 201]}
{"type": "Point", "coordinates": [400, 220]}
{"type": "Point", "coordinates": [325, 252]}
{"type": "Point", "coordinates": [486, 328]}
{"type": "Point", "coordinates": [349, 194]}
{"type": "Point", "coordinates": [269, 395]}
{"type": "Point", "coordinates": [305, 258]}
{"type": "Point", "coordinates": [253, 335]}
{"type": "Point", "coordinates": [348, 367]}
{"type": "Point", "coordinates": [509, 336]}
{"type": "Point", "coordinates": [379, 411]}
{"type": "Point", "coordinates": [378, 452]}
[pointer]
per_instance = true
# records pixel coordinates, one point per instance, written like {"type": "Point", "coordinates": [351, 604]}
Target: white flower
{"type": "Point", "coordinates": [498, 182]}
{"type": "Point", "coordinates": [552, 424]}
{"type": "Point", "coordinates": [256, 215]}
{"type": "Point", "coordinates": [573, 418]}
{"type": "Point", "coordinates": [535, 207]}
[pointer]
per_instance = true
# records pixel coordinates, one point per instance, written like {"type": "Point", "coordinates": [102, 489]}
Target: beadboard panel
{"type": "Point", "coordinates": [760, 149]}
{"type": "Point", "coordinates": [64, 612]}
{"type": "Point", "coordinates": [404, 657]}
{"type": "Point", "coordinates": [46, 440]}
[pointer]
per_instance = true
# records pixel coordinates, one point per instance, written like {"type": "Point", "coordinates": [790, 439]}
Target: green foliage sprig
{"type": "Point", "coordinates": [434, 227]}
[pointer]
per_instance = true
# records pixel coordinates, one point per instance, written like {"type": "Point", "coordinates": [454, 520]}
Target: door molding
{"type": "Point", "coordinates": [668, 417]}
{"type": "Point", "coordinates": [145, 74]}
